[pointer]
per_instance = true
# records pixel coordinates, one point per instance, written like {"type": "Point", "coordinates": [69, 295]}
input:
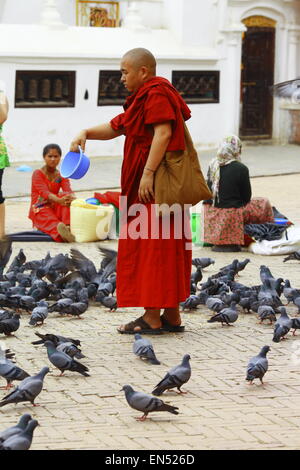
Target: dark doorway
{"type": "Point", "coordinates": [257, 75]}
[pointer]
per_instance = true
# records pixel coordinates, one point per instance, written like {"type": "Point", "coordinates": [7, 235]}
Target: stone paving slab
{"type": "Point", "coordinates": [221, 411]}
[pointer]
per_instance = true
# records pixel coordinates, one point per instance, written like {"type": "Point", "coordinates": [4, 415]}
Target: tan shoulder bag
{"type": "Point", "coordinates": [179, 179]}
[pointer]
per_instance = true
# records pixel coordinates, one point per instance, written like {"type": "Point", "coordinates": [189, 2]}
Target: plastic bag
{"type": "Point", "coordinates": [288, 243]}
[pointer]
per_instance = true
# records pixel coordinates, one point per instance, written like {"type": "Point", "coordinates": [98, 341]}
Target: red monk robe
{"type": "Point", "coordinates": [151, 273]}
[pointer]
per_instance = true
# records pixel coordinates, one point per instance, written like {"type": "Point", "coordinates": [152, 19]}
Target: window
{"type": "Point", "coordinates": [44, 89]}
{"type": "Point", "coordinates": [197, 86]}
{"type": "Point", "coordinates": [111, 91]}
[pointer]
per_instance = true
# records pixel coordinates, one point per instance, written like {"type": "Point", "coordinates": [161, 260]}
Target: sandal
{"type": "Point", "coordinates": [166, 326]}
{"type": "Point", "coordinates": [129, 328]}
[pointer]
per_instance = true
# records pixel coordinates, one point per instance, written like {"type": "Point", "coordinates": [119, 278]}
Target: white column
{"type": "Point", "coordinates": [232, 83]}
{"type": "Point", "coordinates": [293, 45]}
{"type": "Point", "coordinates": [133, 19]}
{"type": "Point", "coordinates": [2, 4]}
{"type": "Point", "coordinates": [50, 15]}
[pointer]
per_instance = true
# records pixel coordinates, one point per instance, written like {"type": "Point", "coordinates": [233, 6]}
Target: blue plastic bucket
{"type": "Point", "coordinates": [74, 165]}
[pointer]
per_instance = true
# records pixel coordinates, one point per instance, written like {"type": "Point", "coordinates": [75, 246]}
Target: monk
{"type": "Point", "coordinates": [152, 272]}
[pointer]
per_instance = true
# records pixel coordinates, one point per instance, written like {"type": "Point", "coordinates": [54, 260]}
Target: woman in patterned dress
{"type": "Point", "coordinates": [51, 196]}
{"type": "Point", "coordinates": [231, 207]}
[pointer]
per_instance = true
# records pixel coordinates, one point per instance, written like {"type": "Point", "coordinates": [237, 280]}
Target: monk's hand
{"type": "Point", "coordinates": [146, 189]}
{"type": "Point", "coordinates": [80, 139]}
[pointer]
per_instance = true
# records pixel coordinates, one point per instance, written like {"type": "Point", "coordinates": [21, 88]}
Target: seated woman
{"type": "Point", "coordinates": [231, 207]}
{"type": "Point", "coordinates": [50, 208]}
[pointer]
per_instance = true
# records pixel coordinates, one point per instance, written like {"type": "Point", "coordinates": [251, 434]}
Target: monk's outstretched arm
{"type": "Point", "coordinates": [161, 139]}
{"type": "Point", "coordinates": [101, 132]}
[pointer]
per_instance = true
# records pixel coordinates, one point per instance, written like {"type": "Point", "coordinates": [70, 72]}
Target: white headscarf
{"type": "Point", "coordinates": [229, 151]}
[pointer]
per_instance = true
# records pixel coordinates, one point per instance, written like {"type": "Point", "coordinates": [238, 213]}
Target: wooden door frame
{"type": "Point", "coordinates": [256, 24]}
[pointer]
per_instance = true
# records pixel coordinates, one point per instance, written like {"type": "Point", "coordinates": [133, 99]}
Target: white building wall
{"type": "Point", "coordinates": [196, 35]}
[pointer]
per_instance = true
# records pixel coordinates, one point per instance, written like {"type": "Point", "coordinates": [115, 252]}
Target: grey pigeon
{"type": "Point", "coordinates": [176, 377]}
{"type": "Point", "coordinates": [282, 326]}
{"type": "Point", "coordinates": [227, 315]}
{"type": "Point", "coordinates": [202, 262]}
{"type": "Point", "coordinates": [146, 403]}
{"type": "Point", "coordinates": [9, 371]}
{"type": "Point", "coordinates": [266, 312]}
{"type": "Point", "coordinates": [215, 304]}
{"type": "Point", "coordinates": [39, 313]}
{"type": "Point", "coordinates": [84, 265]}
{"type": "Point", "coordinates": [287, 89]}
{"type": "Point", "coordinates": [296, 300]}
{"type": "Point", "coordinates": [77, 308]}
{"type": "Point", "coordinates": [56, 339]}
{"type": "Point", "coordinates": [295, 325]}
{"type": "Point", "coordinates": [71, 349]}
{"type": "Point", "coordinates": [293, 256]}
{"type": "Point", "coordinates": [10, 325]}
{"type": "Point", "coordinates": [258, 366]}
{"type": "Point", "coordinates": [61, 305]}
{"type": "Point", "coordinates": [143, 348]}
{"type": "Point", "coordinates": [289, 292]}
{"type": "Point", "coordinates": [5, 253]}
{"type": "Point", "coordinates": [21, 441]}
{"type": "Point", "coordinates": [17, 429]}
{"type": "Point", "coordinates": [64, 362]}
{"type": "Point", "coordinates": [109, 302]}
{"type": "Point", "coordinates": [190, 303]}
{"type": "Point", "coordinates": [27, 390]}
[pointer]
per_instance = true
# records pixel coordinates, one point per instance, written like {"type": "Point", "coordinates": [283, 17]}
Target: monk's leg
{"type": "Point", "coordinates": [172, 315]}
{"type": "Point", "coordinates": [151, 317]}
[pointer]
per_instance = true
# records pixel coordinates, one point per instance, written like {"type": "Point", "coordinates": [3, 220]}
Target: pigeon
{"type": "Point", "coordinates": [77, 308]}
{"type": "Point", "coordinates": [64, 362]}
{"type": "Point", "coordinates": [258, 366]}
{"type": "Point", "coordinates": [196, 276]}
{"type": "Point", "coordinates": [109, 302]}
{"type": "Point", "coordinates": [190, 303]}
{"type": "Point", "coordinates": [39, 313]}
{"type": "Point", "coordinates": [5, 253]}
{"type": "Point", "coordinates": [266, 312]}
{"type": "Point", "coordinates": [215, 304]}
{"type": "Point", "coordinates": [282, 325]}
{"type": "Point", "coordinates": [61, 305]}
{"type": "Point", "coordinates": [71, 349]}
{"type": "Point", "coordinates": [27, 302]}
{"type": "Point", "coordinates": [144, 349]}
{"type": "Point", "coordinates": [202, 262]}
{"type": "Point", "coordinates": [289, 292]}
{"type": "Point", "coordinates": [17, 429]}
{"type": "Point", "coordinates": [288, 89]}
{"type": "Point", "coordinates": [146, 403]}
{"type": "Point", "coordinates": [27, 390]}
{"type": "Point", "coordinates": [296, 300]}
{"type": "Point", "coordinates": [17, 262]}
{"type": "Point", "coordinates": [293, 256]}
{"type": "Point", "coordinates": [56, 339]}
{"type": "Point", "coordinates": [226, 315]}
{"type": "Point", "coordinates": [176, 377]}
{"type": "Point", "coordinates": [21, 441]}
{"type": "Point", "coordinates": [60, 263]}
{"type": "Point", "coordinates": [84, 265]}
{"type": "Point", "coordinates": [295, 325]}
{"type": "Point", "coordinates": [9, 371]}
{"type": "Point", "coordinates": [10, 325]}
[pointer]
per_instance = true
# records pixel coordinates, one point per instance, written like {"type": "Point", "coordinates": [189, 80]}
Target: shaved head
{"type": "Point", "coordinates": [137, 67]}
{"type": "Point", "coordinates": [140, 57]}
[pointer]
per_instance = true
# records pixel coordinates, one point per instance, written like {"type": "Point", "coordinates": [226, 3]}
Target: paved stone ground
{"type": "Point", "coordinates": [221, 411]}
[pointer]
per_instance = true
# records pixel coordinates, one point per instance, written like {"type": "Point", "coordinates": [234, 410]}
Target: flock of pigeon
{"type": "Point", "coordinates": [61, 284]}
{"type": "Point", "coordinates": [67, 284]}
